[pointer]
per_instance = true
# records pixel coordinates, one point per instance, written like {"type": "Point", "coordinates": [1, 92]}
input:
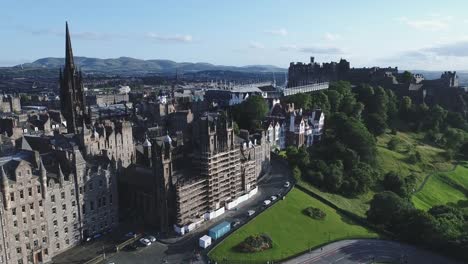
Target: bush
{"type": "Point", "coordinates": [255, 243]}
{"type": "Point", "coordinates": [315, 213]}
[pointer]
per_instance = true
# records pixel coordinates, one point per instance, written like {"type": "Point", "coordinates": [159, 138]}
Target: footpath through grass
{"type": "Point", "coordinates": [444, 188]}
{"type": "Point", "coordinates": [291, 230]}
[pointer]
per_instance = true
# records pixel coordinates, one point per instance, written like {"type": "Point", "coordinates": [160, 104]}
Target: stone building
{"type": "Point", "coordinates": [10, 104]}
{"type": "Point", "coordinates": [179, 183]}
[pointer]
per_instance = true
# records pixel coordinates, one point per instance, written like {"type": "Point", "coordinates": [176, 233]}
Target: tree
{"type": "Point", "coordinates": [334, 177]}
{"type": "Point", "coordinates": [406, 77]}
{"type": "Point", "coordinates": [405, 108]}
{"type": "Point", "coordinates": [303, 101]}
{"type": "Point", "coordinates": [376, 124]}
{"type": "Point", "coordinates": [251, 112]}
{"type": "Point", "coordinates": [334, 97]}
{"type": "Point", "coordinates": [386, 209]}
{"type": "Point", "coordinates": [297, 174]}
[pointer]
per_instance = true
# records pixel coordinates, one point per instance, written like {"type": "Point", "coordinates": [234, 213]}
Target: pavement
{"type": "Point", "coordinates": [369, 251]}
{"type": "Point", "coordinates": [185, 249]}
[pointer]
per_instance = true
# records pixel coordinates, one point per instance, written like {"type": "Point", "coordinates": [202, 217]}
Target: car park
{"type": "Point", "coordinates": [145, 241]}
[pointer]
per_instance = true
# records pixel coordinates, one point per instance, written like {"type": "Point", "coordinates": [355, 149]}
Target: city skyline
{"type": "Point", "coordinates": [236, 34]}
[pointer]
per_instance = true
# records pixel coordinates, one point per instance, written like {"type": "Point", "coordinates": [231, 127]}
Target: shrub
{"type": "Point", "coordinates": [255, 243]}
{"type": "Point", "coordinates": [315, 213]}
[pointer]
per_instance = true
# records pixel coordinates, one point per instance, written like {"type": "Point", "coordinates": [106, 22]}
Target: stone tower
{"type": "Point", "coordinates": [72, 101]}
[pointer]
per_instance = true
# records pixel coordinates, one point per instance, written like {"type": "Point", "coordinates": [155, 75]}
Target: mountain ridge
{"type": "Point", "coordinates": [128, 64]}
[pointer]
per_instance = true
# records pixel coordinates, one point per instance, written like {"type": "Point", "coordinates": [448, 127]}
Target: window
{"type": "Point", "coordinates": [21, 194]}
{"type": "Point", "coordinates": [34, 231]}
{"type": "Point", "coordinates": [26, 233]}
{"type": "Point", "coordinates": [91, 204]}
{"type": "Point", "coordinates": [23, 208]}
{"type": "Point", "coordinates": [54, 210]}
{"type": "Point", "coordinates": [31, 206]}
{"type": "Point", "coordinates": [13, 211]}
{"type": "Point", "coordinates": [62, 195]}
{"type": "Point", "coordinates": [28, 246]}
{"type": "Point", "coordinates": [25, 220]}
{"type": "Point", "coordinates": [55, 222]}
{"type": "Point", "coordinates": [44, 240]}
{"type": "Point", "coordinates": [65, 219]}
{"type": "Point", "coordinates": [46, 251]}
{"type": "Point", "coordinates": [43, 227]}
{"type": "Point", "coordinates": [64, 207]}
{"type": "Point", "coordinates": [74, 215]}
{"type": "Point", "coordinates": [12, 196]}
{"type": "Point", "coordinates": [17, 237]}
{"type": "Point", "coordinates": [20, 261]}
{"type": "Point", "coordinates": [33, 217]}
{"type": "Point", "coordinates": [57, 246]}
{"type": "Point", "coordinates": [56, 233]}
{"type": "Point", "coordinates": [15, 223]}
{"type": "Point", "coordinates": [75, 226]}
{"type": "Point", "coordinates": [52, 198]}
{"type": "Point", "coordinates": [41, 214]}
{"type": "Point", "coordinates": [30, 191]}
{"type": "Point", "coordinates": [72, 192]}
{"type": "Point", "coordinates": [19, 173]}
{"type": "Point", "coordinates": [73, 203]}
{"type": "Point", "coordinates": [38, 189]}
{"type": "Point", "coordinates": [66, 230]}
{"type": "Point", "coordinates": [84, 209]}
{"type": "Point", "coordinates": [81, 190]}
{"type": "Point", "coordinates": [18, 250]}
{"type": "Point", "coordinates": [40, 202]}
{"type": "Point", "coordinates": [36, 243]}
{"type": "Point", "coordinates": [67, 241]}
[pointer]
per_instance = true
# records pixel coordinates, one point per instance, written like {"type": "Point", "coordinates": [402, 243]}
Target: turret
{"type": "Point", "coordinates": [5, 188]}
{"type": "Point", "coordinates": [43, 179]}
{"type": "Point", "coordinates": [61, 176]}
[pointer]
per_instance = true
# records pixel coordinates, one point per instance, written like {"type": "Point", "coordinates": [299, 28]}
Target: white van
{"type": "Point", "coordinates": [266, 202]}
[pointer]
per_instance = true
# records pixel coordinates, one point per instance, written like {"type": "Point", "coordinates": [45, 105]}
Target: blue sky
{"type": "Point", "coordinates": [430, 35]}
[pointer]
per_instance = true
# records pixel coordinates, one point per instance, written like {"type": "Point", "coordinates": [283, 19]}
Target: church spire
{"type": "Point", "coordinates": [68, 49]}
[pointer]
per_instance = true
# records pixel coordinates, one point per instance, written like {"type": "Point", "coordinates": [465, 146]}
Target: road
{"type": "Point", "coordinates": [369, 251]}
{"type": "Point", "coordinates": [185, 250]}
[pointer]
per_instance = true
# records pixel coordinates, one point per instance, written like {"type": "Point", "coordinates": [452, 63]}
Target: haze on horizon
{"type": "Point", "coordinates": [409, 34]}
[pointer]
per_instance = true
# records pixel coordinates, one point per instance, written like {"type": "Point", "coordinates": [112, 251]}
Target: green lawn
{"type": "Point", "coordinates": [391, 160]}
{"type": "Point", "coordinates": [443, 188]}
{"type": "Point", "coordinates": [292, 231]}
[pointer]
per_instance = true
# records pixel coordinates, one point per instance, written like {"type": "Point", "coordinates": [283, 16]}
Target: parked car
{"type": "Point", "coordinates": [273, 197]}
{"type": "Point", "coordinates": [250, 212]}
{"type": "Point", "coordinates": [236, 223]}
{"type": "Point", "coordinates": [266, 202]}
{"type": "Point", "coordinates": [286, 184]}
{"type": "Point", "coordinates": [96, 236]}
{"type": "Point", "coordinates": [145, 241]}
{"type": "Point", "coordinates": [151, 238]}
{"type": "Point", "coordinates": [130, 247]}
{"type": "Point", "coordinates": [130, 234]}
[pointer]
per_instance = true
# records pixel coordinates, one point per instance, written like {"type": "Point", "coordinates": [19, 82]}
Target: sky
{"type": "Point", "coordinates": [423, 35]}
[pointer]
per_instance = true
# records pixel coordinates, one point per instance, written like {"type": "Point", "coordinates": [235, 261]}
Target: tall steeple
{"type": "Point", "coordinates": [72, 99]}
{"type": "Point", "coordinates": [68, 49]}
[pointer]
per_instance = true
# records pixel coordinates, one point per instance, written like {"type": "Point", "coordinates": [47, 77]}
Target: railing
{"type": "Point", "coordinates": [305, 88]}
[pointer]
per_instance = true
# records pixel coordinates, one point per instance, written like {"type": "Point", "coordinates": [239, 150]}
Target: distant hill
{"type": "Point", "coordinates": [126, 65]}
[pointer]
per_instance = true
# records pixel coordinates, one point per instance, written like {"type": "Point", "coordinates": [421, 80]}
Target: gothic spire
{"type": "Point", "coordinates": [68, 49]}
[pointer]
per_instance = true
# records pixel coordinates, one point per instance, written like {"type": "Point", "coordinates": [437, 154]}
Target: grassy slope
{"type": "Point", "coordinates": [292, 231]}
{"type": "Point", "coordinates": [389, 160]}
{"type": "Point", "coordinates": [443, 188]}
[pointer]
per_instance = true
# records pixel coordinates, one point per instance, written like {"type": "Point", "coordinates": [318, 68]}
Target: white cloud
{"type": "Point", "coordinates": [331, 37]}
{"type": "Point", "coordinates": [256, 45]}
{"type": "Point", "coordinates": [434, 23]}
{"type": "Point", "coordinates": [170, 38]}
{"type": "Point", "coordinates": [312, 49]}
{"type": "Point", "coordinates": [279, 32]}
